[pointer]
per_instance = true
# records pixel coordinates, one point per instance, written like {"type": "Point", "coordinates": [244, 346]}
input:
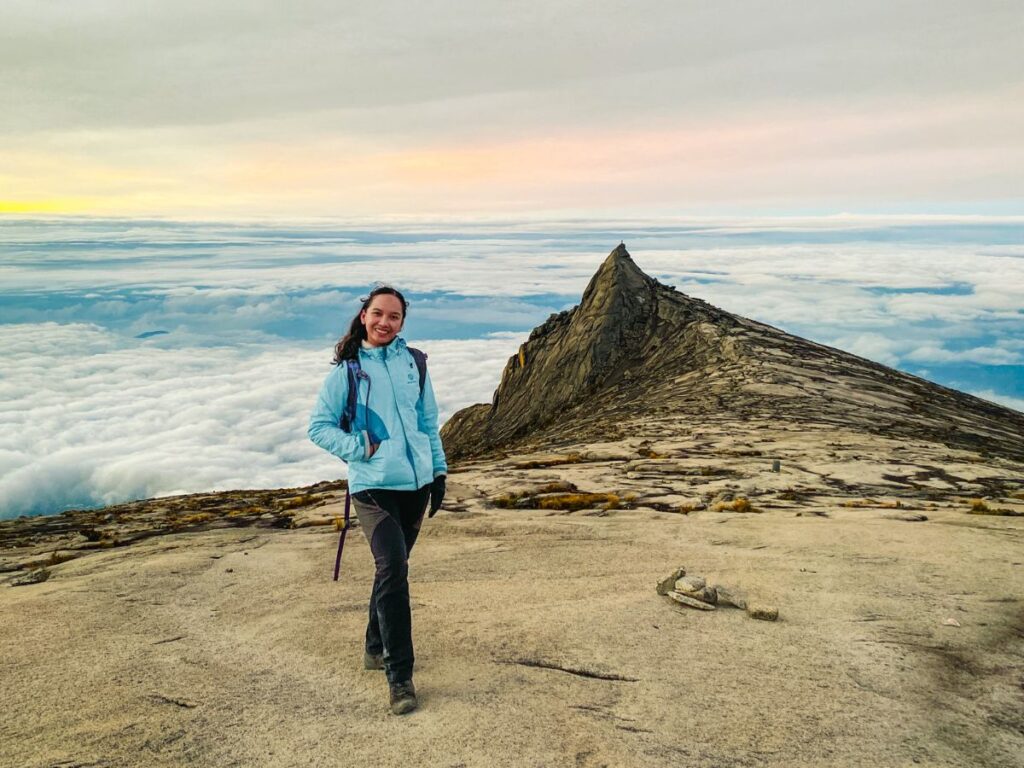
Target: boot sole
{"type": "Point", "coordinates": [403, 706]}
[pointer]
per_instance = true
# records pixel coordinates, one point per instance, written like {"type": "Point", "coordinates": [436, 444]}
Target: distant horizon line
{"type": "Point", "coordinates": [838, 217]}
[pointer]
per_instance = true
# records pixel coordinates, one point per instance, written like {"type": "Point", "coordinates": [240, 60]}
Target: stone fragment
{"type": "Point", "coordinates": [737, 598]}
{"type": "Point", "coordinates": [32, 577]}
{"type": "Point", "coordinates": [667, 584]}
{"type": "Point", "coordinates": [909, 517]}
{"type": "Point", "coordinates": [613, 453]}
{"type": "Point", "coordinates": [951, 623]}
{"type": "Point", "coordinates": [91, 534]}
{"type": "Point", "coordinates": [308, 520]}
{"type": "Point", "coordinates": [691, 602]}
{"type": "Point", "coordinates": [689, 584]}
{"type": "Point", "coordinates": [763, 612]}
{"type": "Point", "coordinates": [704, 594]}
{"type": "Point", "coordinates": [709, 595]}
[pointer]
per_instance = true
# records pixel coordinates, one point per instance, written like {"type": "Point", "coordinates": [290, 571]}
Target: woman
{"type": "Point", "coordinates": [395, 462]}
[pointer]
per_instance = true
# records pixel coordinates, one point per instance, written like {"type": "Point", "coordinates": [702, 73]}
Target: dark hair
{"type": "Point", "coordinates": [348, 347]}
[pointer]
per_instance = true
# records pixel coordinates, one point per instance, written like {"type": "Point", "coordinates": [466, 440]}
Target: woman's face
{"type": "Point", "coordinates": [383, 319]}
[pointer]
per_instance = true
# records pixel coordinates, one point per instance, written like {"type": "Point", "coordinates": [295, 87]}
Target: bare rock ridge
{"type": "Point", "coordinates": [638, 358]}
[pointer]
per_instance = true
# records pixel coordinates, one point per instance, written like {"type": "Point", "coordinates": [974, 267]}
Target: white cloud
{"type": "Point", "coordinates": [87, 421]}
{"type": "Point", "coordinates": [935, 353]}
{"type": "Point", "coordinates": [873, 346]}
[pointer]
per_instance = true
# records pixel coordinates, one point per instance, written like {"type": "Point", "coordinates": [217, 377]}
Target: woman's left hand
{"type": "Point", "coordinates": [436, 494]}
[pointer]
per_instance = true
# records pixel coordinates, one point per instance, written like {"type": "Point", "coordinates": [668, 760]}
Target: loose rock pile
{"type": "Point", "coordinates": [694, 592]}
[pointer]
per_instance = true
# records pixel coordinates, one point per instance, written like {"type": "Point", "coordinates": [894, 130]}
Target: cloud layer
{"type": "Point", "coordinates": [154, 358]}
{"type": "Point", "coordinates": [89, 418]}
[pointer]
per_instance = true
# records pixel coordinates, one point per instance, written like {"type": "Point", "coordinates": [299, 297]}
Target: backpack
{"type": "Point", "coordinates": [355, 373]}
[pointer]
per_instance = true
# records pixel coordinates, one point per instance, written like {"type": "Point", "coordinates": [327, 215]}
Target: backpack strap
{"type": "Point", "coordinates": [421, 363]}
{"type": "Point", "coordinates": [348, 416]}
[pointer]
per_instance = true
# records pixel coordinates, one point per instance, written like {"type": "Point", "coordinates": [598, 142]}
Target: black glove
{"type": "Point", "coordinates": [436, 494]}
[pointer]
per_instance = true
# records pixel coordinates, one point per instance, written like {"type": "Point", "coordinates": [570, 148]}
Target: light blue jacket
{"type": "Point", "coordinates": [391, 411]}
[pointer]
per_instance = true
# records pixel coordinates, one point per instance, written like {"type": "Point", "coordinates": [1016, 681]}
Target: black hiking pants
{"type": "Point", "coordinates": [391, 521]}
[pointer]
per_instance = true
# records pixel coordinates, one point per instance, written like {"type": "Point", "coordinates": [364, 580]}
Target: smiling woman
{"type": "Point", "coordinates": [388, 435]}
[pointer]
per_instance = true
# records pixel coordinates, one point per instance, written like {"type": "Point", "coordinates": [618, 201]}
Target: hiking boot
{"type": "Point", "coordinates": [373, 660]}
{"type": "Point", "coordinates": [403, 697]}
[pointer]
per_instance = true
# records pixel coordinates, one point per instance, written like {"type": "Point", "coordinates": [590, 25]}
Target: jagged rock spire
{"type": "Point", "coordinates": [574, 353]}
{"type": "Point", "coordinates": [635, 352]}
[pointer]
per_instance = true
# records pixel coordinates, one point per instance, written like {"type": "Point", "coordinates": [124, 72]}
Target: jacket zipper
{"type": "Point", "coordinates": [398, 410]}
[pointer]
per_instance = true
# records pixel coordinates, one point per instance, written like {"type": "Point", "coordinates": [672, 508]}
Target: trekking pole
{"type": "Point", "coordinates": [341, 541]}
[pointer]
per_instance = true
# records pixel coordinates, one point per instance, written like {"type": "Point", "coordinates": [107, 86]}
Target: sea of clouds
{"type": "Point", "coordinates": [147, 358]}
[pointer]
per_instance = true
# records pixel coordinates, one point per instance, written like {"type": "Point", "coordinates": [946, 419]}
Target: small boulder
{"type": "Point", "coordinates": [708, 595]}
{"type": "Point", "coordinates": [731, 596]}
{"type": "Point", "coordinates": [763, 612]}
{"type": "Point", "coordinates": [32, 577]}
{"type": "Point", "coordinates": [704, 594]}
{"type": "Point", "coordinates": [667, 584]}
{"type": "Point", "coordinates": [691, 601]}
{"type": "Point", "coordinates": [689, 584]}
{"type": "Point", "coordinates": [91, 534]}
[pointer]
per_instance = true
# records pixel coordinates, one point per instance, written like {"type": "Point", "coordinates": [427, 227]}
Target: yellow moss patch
{"type": "Point", "coordinates": [194, 519]}
{"type": "Point", "coordinates": [574, 501]}
{"type": "Point", "coordinates": [979, 507]}
{"type": "Point", "coordinates": [245, 511]}
{"type": "Point", "coordinates": [506, 500]}
{"type": "Point", "coordinates": [303, 500]}
{"type": "Point", "coordinates": [736, 505]}
{"type": "Point", "coordinates": [59, 557]}
{"type": "Point", "coordinates": [872, 503]}
{"type": "Point", "coordinates": [552, 461]}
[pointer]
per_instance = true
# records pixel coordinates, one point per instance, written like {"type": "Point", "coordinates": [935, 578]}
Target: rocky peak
{"type": "Point", "coordinates": [637, 357]}
{"type": "Point", "coordinates": [618, 281]}
{"type": "Point", "coordinates": [578, 353]}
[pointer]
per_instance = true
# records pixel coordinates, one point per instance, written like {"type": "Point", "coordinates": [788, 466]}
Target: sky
{"type": "Point", "coordinates": [209, 110]}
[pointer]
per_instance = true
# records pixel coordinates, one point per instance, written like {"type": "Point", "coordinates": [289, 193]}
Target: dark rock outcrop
{"type": "Point", "coordinates": [635, 352]}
